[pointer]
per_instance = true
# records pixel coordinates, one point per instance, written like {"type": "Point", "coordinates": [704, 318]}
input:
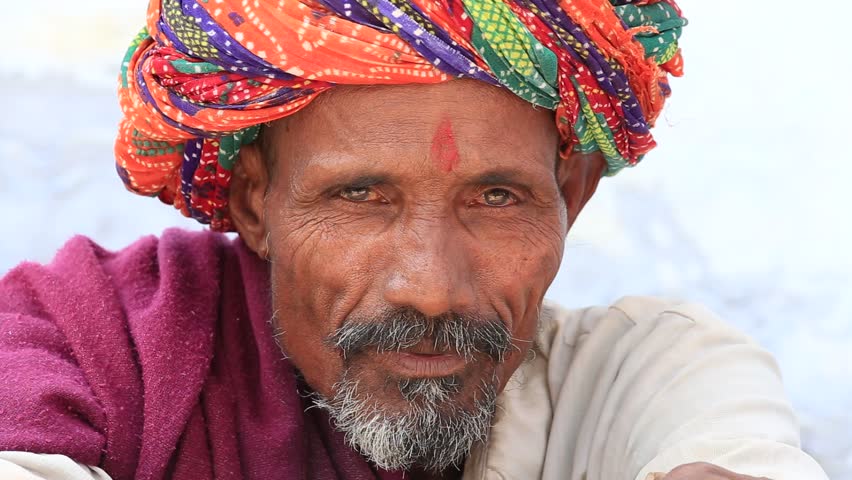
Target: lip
{"type": "Point", "coordinates": [423, 365]}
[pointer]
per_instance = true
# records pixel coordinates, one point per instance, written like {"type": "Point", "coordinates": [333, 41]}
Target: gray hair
{"type": "Point", "coordinates": [435, 431]}
{"type": "Point", "coordinates": [403, 328]}
{"type": "Point", "coordinates": [434, 434]}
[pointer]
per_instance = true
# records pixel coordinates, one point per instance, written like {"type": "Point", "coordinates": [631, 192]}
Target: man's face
{"type": "Point", "coordinates": [412, 232]}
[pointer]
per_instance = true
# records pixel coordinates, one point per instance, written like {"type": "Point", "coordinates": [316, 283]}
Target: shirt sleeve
{"type": "Point", "coordinates": [666, 385]}
{"type": "Point", "coordinates": [36, 466]}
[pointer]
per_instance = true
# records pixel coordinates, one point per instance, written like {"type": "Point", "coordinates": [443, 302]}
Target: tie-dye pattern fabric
{"type": "Point", "coordinates": [200, 79]}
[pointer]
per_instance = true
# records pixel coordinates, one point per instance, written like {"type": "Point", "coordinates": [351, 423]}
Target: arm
{"type": "Point", "coordinates": [665, 385]}
{"type": "Point", "coordinates": [49, 402]}
{"type": "Point", "coordinates": [724, 405]}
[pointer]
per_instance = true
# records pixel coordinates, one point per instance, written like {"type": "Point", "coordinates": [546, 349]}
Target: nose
{"type": "Point", "coordinates": [431, 270]}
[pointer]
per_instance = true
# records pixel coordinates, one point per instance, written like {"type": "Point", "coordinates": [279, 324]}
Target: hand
{"type": "Point", "coordinates": [700, 471]}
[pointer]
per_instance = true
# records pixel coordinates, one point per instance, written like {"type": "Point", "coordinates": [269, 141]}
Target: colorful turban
{"type": "Point", "coordinates": [198, 82]}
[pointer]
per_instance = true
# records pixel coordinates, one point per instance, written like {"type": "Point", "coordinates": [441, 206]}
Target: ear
{"type": "Point", "coordinates": [249, 182]}
{"type": "Point", "coordinates": [578, 177]}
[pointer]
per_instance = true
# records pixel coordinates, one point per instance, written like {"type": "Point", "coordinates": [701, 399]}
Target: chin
{"type": "Point", "coordinates": [402, 421]}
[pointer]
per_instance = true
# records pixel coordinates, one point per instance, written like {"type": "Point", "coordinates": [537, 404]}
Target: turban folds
{"type": "Point", "coordinates": [200, 79]}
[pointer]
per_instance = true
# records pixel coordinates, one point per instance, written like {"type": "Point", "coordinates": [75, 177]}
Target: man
{"type": "Point", "coordinates": [402, 177]}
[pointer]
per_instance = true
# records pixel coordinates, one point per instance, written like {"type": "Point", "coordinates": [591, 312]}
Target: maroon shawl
{"type": "Point", "coordinates": [158, 362]}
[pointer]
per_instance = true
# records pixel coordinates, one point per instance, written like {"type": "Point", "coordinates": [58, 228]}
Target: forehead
{"type": "Point", "coordinates": [403, 123]}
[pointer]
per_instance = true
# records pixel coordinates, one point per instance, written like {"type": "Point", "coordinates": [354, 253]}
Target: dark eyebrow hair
{"type": "Point", "coordinates": [363, 181]}
{"type": "Point", "coordinates": [504, 177]}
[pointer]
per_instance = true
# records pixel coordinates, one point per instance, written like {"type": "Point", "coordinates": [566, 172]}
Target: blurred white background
{"type": "Point", "coordinates": [744, 206]}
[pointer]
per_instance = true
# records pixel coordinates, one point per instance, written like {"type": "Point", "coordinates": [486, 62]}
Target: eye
{"type": "Point", "coordinates": [359, 194]}
{"type": "Point", "coordinates": [498, 197]}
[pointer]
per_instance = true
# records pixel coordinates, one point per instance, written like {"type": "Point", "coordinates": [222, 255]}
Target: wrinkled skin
{"type": "Point", "coordinates": [362, 203]}
{"type": "Point", "coordinates": [421, 237]}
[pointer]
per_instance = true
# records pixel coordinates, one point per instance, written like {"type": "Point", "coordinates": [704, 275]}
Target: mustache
{"type": "Point", "coordinates": [402, 328]}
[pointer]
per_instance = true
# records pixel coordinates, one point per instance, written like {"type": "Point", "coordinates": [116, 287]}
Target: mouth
{"type": "Point", "coordinates": [423, 361]}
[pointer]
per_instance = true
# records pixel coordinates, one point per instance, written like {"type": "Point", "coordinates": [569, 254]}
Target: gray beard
{"type": "Point", "coordinates": [433, 433]}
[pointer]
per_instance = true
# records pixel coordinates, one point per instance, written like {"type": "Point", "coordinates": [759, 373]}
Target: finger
{"type": "Point", "coordinates": [703, 471]}
{"type": "Point", "coordinates": [655, 476]}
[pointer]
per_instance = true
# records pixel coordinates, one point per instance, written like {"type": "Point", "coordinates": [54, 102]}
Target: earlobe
{"type": "Point", "coordinates": [578, 177]}
{"type": "Point", "coordinates": [249, 183]}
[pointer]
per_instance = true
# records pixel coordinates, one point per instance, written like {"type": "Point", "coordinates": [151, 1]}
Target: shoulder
{"type": "Point", "coordinates": [632, 318]}
{"type": "Point", "coordinates": [82, 264]}
{"type": "Point", "coordinates": [646, 349]}
{"type": "Point", "coordinates": [81, 251]}
{"type": "Point", "coordinates": [630, 309]}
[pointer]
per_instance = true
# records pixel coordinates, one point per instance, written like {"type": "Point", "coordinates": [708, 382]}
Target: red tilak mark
{"type": "Point", "coordinates": [444, 151]}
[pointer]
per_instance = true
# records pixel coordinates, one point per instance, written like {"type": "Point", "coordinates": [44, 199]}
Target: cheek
{"type": "Point", "coordinates": [519, 257]}
{"type": "Point", "coordinates": [517, 270]}
{"type": "Point", "coordinates": [319, 274]}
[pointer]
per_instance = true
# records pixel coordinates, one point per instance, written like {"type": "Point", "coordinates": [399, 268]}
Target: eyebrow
{"type": "Point", "coordinates": [503, 176]}
{"type": "Point", "coordinates": [508, 177]}
{"type": "Point", "coordinates": [364, 181]}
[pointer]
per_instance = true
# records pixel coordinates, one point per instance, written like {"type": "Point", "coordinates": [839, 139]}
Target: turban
{"type": "Point", "coordinates": [200, 79]}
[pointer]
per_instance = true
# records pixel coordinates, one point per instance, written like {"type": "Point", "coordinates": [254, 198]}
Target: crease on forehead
{"type": "Point", "coordinates": [332, 110]}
